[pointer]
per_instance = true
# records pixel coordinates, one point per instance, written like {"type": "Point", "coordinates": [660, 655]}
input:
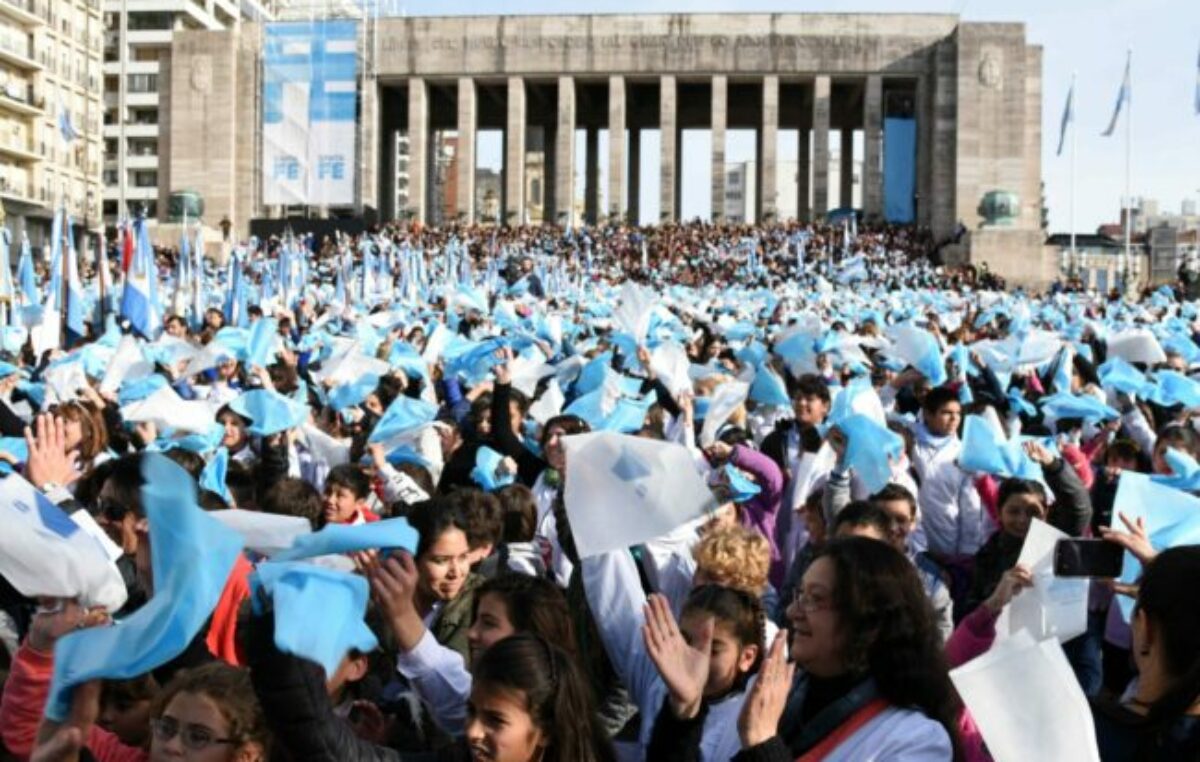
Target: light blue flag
{"type": "Point", "coordinates": [1124, 94]}
{"type": "Point", "coordinates": [191, 555]}
{"type": "Point", "coordinates": [135, 389]}
{"type": "Point", "coordinates": [985, 450]}
{"type": "Point", "coordinates": [1185, 472]}
{"type": "Point", "coordinates": [1068, 116]}
{"type": "Point", "coordinates": [742, 487]}
{"type": "Point", "coordinates": [1018, 404]}
{"type": "Point", "coordinates": [353, 393]}
{"type": "Point", "coordinates": [487, 470]}
{"type": "Point", "coordinates": [768, 388]}
{"type": "Point", "coordinates": [212, 478]}
{"type": "Point", "coordinates": [76, 309]}
{"type": "Point", "coordinates": [269, 412]}
{"type": "Point", "coordinates": [318, 612]}
{"type": "Point", "coordinates": [594, 373]}
{"type": "Point", "coordinates": [870, 450]}
{"type": "Point", "coordinates": [26, 275]}
{"type": "Point", "coordinates": [16, 447]}
{"type": "Point", "coordinates": [1083, 406]}
{"type": "Point", "coordinates": [138, 296]}
{"type": "Point", "coordinates": [404, 417]}
{"type": "Point", "coordinates": [1119, 375]}
{"type": "Point", "coordinates": [260, 344]}
{"type": "Point", "coordinates": [1197, 97]}
{"type": "Point", "coordinates": [921, 350]}
{"type": "Point", "coordinates": [1174, 388]}
{"type": "Point", "coordinates": [628, 415]}
{"type": "Point", "coordinates": [389, 534]}
{"type": "Point", "coordinates": [1172, 519]}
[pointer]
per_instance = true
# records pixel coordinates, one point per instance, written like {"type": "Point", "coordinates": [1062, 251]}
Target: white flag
{"type": "Point", "coordinates": [623, 490]}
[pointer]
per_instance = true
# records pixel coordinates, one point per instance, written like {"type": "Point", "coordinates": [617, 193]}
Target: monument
{"type": "Point", "coordinates": [949, 112]}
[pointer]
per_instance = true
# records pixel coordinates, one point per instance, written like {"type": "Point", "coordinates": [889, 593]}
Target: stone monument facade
{"type": "Point", "coordinates": [974, 90]}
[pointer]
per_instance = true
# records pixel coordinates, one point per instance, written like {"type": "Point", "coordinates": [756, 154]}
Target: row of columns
{"type": "Point", "coordinates": [619, 165]}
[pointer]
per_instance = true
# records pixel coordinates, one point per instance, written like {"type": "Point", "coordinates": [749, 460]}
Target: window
{"type": "Point", "coordinates": [145, 178]}
{"type": "Point", "coordinates": [143, 83]}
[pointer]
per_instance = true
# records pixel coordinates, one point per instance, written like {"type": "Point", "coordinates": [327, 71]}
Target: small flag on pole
{"type": "Point", "coordinates": [1122, 96]}
{"type": "Point", "coordinates": [65, 127]}
{"type": "Point", "coordinates": [1067, 117]}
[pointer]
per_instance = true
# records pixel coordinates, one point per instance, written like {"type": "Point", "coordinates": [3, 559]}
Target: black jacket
{"type": "Point", "coordinates": [300, 716]}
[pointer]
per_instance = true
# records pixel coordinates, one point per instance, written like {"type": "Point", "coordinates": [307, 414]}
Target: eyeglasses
{"type": "Point", "coordinates": [810, 603]}
{"type": "Point", "coordinates": [194, 737]}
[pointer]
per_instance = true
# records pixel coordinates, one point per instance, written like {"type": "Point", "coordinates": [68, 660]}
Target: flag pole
{"type": "Point", "coordinates": [1074, 256]}
{"type": "Point", "coordinates": [1128, 170]}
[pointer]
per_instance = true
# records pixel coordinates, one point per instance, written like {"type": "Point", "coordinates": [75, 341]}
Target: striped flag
{"type": "Point", "coordinates": [1067, 117]}
{"type": "Point", "coordinates": [1123, 95]}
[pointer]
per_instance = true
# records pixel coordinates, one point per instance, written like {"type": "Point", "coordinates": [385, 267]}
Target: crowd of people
{"type": "Point", "coordinates": [332, 480]}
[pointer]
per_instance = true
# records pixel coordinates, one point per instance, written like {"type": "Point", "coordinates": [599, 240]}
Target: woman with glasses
{"type": "Point", "coordinates": [206, 714]}
{"type": "Point", "coordinates": [869, 679]}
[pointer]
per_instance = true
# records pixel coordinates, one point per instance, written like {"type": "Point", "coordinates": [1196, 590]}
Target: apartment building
{"type": "Point", "coordinates": [137, 60]}
{"type": "Point", "coordinates": [49, 85]}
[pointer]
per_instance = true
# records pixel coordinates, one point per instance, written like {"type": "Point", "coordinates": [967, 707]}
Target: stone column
{"type": "Point", "coordinates": [564, 154]}
{"type": "Point", "coordinates": [803, 170]}
{"type": "Point", "coordinates": [846, 171]}
{"type": "Point", "coordinates": [820, 154]}
{"type": "Point", "coordinates": [591, 176]}
{"type": "Point", "coordinates": [418, 148]}
{"type": "Point", "coordinates": [719, 116]}
{"type": "Point", "coordinates": [616, 145]}
{"type": "Point", "coordinates": [514, 154]}
{"type": "Point", "coordinates": [635, 175]}
{"type": "Point", "coordinates": [668, 137]}
{"type": "Point", "coordinates": [768, 199]}
{"type": "Point", "coordinates": [464, 202]}
{"type": "Point", "coordinates": [872, 174]}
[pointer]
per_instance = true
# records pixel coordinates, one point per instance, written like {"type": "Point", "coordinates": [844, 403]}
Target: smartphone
{"type": "Point", "coordinates": [1087, 558]}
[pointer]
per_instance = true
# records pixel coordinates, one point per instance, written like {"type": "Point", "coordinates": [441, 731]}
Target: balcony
{"type": "Point", "coordinates": [17, 151]}
{"type": "Point", "coordinates": [18, 56]}
{"type": "Point", "coordinates": [24, 12]}
{"type": "Point", "coordinates": [141, 161]}
{"type": "Point", "coordinates": [15, 105]}
{"type": "Point", "coordinates": [14, 190]}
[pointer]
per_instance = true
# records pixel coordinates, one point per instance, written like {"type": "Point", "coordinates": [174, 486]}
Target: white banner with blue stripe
{"type": "Point", "coordinates": [310, 98]}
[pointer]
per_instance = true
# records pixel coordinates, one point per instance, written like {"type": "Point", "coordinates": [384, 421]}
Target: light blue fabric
{"type": "Point", "coordinates": [212, 478]}
{"type": "Point", "coordinates": [768, 388]}
{"type": "Point", "coordinates": [1174, 388]}
{"type": "Point", "coordinates": [870, 448]}
{"type": "Point", "coordinates": [984, 450]}
{"type": "Point", "coordinates": [1185, 472]}
{"type": "Point", "coordinates": [353, 393]}
{"type": "Point", "coordinates": [1066, 405]}
{"type": "Point", "coordinates": [137, 389]}
{"type": "Point", "coordinates": [318, 612]}
{"type": "Point", "coordinates": [402, 418]}
{"type": "Point", "coordinates": [1172, 519]}
{"type": "Point", "coordinates": [260, 343]}
{"type": "Point", "coordinates": [593, 374]}
{"type": "Point", "coordinates": [269, 412]}
{"type": "Point", "coordinates": [389, 534]}
{"type": "Point", "coordinates": [192, 555]}
{"type": "Point", "coordinates": [16, 447]}
{"type": "Point", "coordinates": [899, 168]}
{"type": "Point", "coordinates": [742, 487]}
{"type": "Point", "coordinates": [1119, 375]}
{"type": "Point", "coordinates": [487, 470]}
{"type": "Point", "coordinates": [1020, 405]}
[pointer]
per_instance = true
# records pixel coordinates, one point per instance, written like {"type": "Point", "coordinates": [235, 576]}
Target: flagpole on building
{"type": "Point", "coordinates": [1128, 170]}
{"type": "Point", "coordinates": [1074, 256]}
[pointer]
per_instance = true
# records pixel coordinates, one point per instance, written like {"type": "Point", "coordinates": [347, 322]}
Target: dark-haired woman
{"type": "Point", "coordinates": [1159, 719]}
{"type": "Point", "coordinates": [871, 680]}
{"type": "Point", "coordinates": [503, 606]}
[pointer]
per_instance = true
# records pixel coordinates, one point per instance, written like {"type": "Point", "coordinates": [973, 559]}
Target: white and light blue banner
{"type": "Point", "coordinates": [310, 97]}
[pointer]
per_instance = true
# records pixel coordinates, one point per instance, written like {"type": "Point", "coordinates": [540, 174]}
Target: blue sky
{"type": "Point", "coordinates": [1089, 38]}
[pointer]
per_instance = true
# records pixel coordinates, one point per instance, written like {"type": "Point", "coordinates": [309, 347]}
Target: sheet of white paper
{"type": "Point", "coordinates": [264, 533]}
{"type": "Point", "coordinates": [623, 490]}
{"type": "Point", "coordinates": [1011, 691]}
{"type": "Point", "coordinates": [127, 363]}
{"type": "Point", "coordinates": [725, 399]}
{"type": "Point", "coordinates": [549, 404]}
{"type": "Point", "coordinates": [1055, 607]}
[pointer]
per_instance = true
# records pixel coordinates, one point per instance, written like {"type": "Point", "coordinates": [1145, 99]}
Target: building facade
{"type": "Point", "coordinates": [969, 95]}
{"type": "Point", "coordinates": [137, 72]}
{"type": "Point", "coordinates": [50, 148]}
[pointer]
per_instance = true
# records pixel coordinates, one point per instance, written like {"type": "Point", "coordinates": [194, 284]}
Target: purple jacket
{"type": "Point", "coordinates": [759, 512]}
